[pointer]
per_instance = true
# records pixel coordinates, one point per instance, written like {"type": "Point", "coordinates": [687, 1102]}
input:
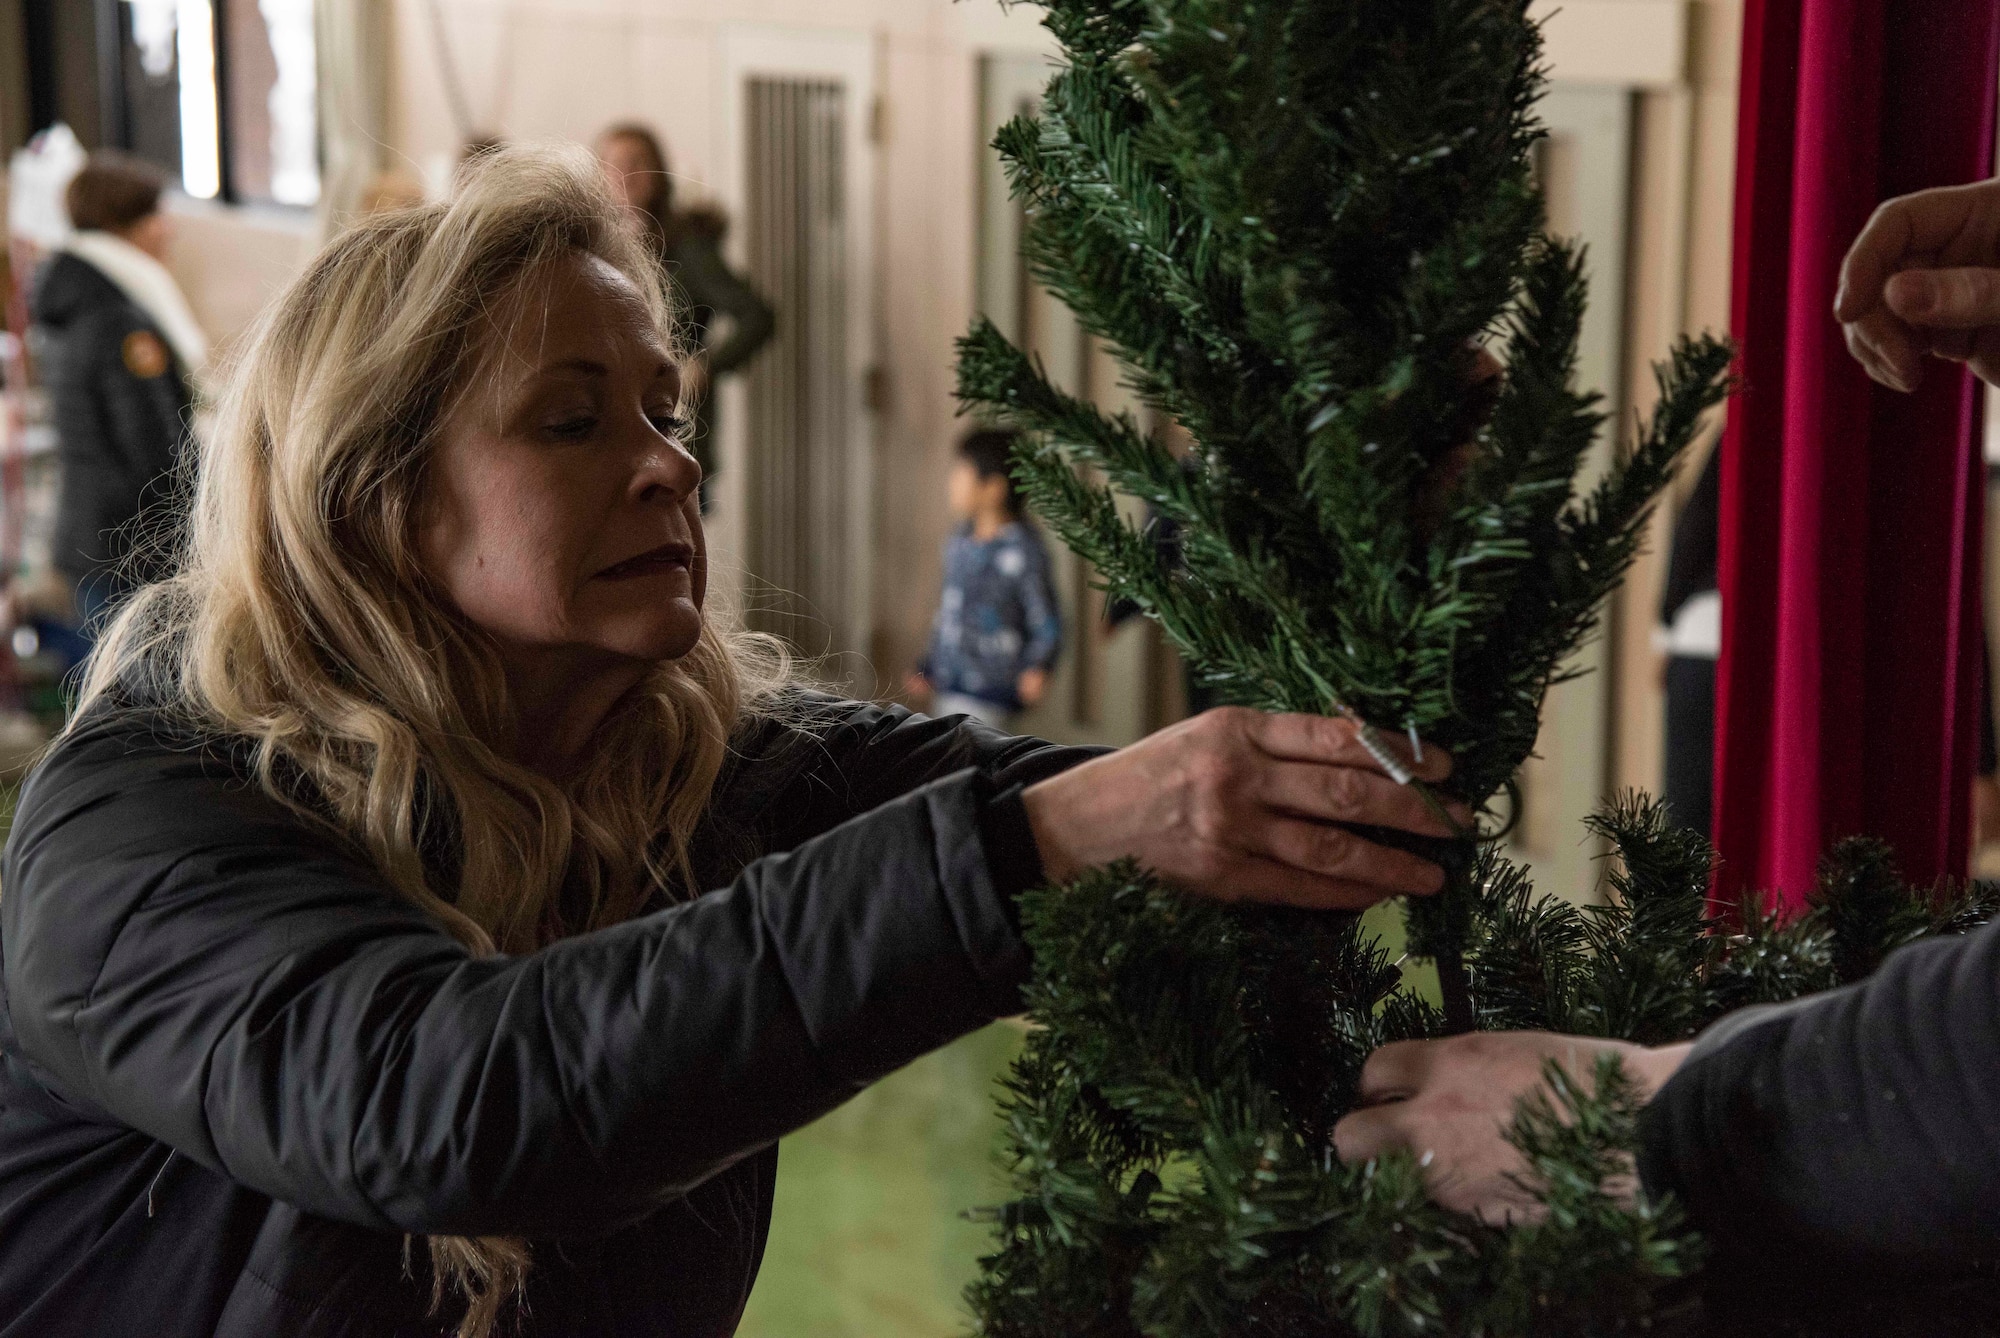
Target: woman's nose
{"type": "Point", "coordinates": [665, 473]}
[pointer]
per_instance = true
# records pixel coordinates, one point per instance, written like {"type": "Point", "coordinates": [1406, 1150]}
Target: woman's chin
{"type": "Point", "coordinates": [665, 634]}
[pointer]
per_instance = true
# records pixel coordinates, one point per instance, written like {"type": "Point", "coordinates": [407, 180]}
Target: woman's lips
{"type": "Point", "coordinates": [653, 562]}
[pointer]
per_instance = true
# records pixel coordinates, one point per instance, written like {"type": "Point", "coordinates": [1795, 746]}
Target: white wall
{"type": "Point", "coordinates": [230, 262]}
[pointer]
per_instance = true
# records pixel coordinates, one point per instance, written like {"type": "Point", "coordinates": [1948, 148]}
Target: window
{"type": "Point", "coordinates": [222, 93]}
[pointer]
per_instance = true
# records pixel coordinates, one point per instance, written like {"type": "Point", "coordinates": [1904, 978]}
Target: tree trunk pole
{"type": "Point", "coordinates": [1457, 992]}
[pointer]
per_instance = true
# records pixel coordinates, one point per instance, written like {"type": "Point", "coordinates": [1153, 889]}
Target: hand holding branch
{"type": "Point", "coordinates": [1238, 805]}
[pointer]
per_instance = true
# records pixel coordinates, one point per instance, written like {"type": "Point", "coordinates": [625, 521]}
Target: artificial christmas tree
{"type": "Point", "coordinates": [1293, 221]}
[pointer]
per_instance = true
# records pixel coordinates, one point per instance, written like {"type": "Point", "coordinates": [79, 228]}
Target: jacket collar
{"type": "Point", "coordinates": [151, 288]}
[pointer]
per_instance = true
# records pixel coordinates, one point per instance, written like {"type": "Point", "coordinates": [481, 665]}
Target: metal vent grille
{"type": "Point", "coordinates": [799, 456]}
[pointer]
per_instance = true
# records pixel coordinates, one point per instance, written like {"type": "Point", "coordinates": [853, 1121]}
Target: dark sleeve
{"type": "Point", "coordinates": [119, 436]}
{"type": "Point", "coordinates": [708, 282]}
{"type": "Point", "coordinates": [857, 755]}
{"type": "Point", "coordinates": [1861, 1123]}
{"type": "Point", "coordinates": [187, 957]}
{"type": "Point", "coordinates": [1693, 555]}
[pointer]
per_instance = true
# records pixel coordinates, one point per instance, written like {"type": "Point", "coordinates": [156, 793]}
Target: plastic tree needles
{"type": "Point", "coordinates": [1292, 220]}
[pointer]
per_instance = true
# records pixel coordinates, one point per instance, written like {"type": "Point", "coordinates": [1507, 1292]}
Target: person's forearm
{"type": "Point", "coordinates": [1860, 1122]}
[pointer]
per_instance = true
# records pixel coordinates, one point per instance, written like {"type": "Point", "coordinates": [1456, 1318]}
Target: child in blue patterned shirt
{"type": "Point", "coordinates": [998, 628]}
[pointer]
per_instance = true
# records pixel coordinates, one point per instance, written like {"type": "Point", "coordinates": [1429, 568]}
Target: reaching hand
{"type": "Point", "coordinates": [1238, 805]}
{"type": "Point", "coordinates": [1923, 279]}
{"type": "Point", "coordinates": [1451, 1102]}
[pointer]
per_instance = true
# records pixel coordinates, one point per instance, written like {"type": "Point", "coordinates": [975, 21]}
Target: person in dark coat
{"type": "Point", "coordinates": [434, 914]}
{"type": "Point", "coordinates": [120, 353]}
{"type": "Point", "coordinates": [1691, 636]}
{"type": "Point", "coordinates": [688, 243]}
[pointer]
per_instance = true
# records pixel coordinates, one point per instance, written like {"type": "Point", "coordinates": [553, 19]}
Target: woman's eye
{"type": "Point", "coordinates": [670, 425]}
{"type": "Point", "coordinates": [572, 429]}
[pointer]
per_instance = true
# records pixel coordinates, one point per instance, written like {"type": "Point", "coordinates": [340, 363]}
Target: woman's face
{"type": "Point", "coordinates": [560, 513]}
{"type": "Point", "coordinates": [631, 169]}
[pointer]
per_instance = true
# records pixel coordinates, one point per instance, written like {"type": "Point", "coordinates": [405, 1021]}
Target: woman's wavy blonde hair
{"type": "Point", "coordinates": [298, 616]}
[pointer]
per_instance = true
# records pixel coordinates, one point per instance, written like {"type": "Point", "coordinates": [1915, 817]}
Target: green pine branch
{"type": "Point", "coordinates": [1292, 221]}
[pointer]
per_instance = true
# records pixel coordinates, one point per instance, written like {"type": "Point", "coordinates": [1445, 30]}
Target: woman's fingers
{"type": "Point", "coordinates": [1925, 264]}
{"type": "Point", "coordinates": [1334, 740]}
{"type": "Point", "coordinates": [1352, 794]}
{"type": "Point", "coordinates": [1332, 852]}
{"type": "Point", "coordinates": [1368, 1133]}
{"type": "Point", "coordinates": [1395, 1071]}
{"type": "Point", "coordinates": [1270, 882]}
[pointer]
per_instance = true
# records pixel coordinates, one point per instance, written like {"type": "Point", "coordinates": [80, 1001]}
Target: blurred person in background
{"type": "Point", "coordinates": [122, 353]}
{"type": "Point", "coordinates": [998, 626]}
{"type": "Point", "coordinates": [688, 243]}
{"type": "Point", "coordinates": [1690, 633]}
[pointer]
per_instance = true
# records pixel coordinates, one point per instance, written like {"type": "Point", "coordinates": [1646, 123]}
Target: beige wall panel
{"type": "Point", "coordinates": [673, 89]}
{"type": "Point", "coordinates": [1655, 301]}
{"type": "Point", "coordinates": [1683, 222]}
{"type": "Point", "coordinates": [230, 262]}
{"type": "Point", "coordinates": [1625, 43]}
{"type": "Point", "coordinates": [597, 53]}
{"type": "Point", "coordinates": [928, 235]}
{"type": "Point", "coordinates": [1717, 47]}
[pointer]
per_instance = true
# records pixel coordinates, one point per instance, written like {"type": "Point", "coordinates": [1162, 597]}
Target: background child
{"type": "Point", "coordinates": [998, 628]}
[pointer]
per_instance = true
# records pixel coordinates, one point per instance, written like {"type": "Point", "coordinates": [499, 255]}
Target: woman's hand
{"type": "Point", "coordinates": [1238, 805]}
{"type": "Point", "coordinates": [1452, 1101]}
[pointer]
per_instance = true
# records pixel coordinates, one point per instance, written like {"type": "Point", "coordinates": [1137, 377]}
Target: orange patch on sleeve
{"type": "Point", "coordinates": [145, 356]}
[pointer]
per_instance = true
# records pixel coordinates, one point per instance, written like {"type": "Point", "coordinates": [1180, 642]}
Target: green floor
{"type": "Point", "coordinates": [868, 1238]}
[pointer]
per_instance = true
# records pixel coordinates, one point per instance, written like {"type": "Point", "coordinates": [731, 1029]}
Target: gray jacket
{"type": "Point", "coordinates": [122, 408]}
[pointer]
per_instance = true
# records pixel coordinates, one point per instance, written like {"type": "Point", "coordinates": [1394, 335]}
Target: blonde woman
{"type": "Point", "coordinates": [435, 915]}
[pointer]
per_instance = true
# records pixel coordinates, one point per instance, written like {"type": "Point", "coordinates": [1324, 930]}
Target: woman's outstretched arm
{"type": "Point", "coordinates": [185, 956]}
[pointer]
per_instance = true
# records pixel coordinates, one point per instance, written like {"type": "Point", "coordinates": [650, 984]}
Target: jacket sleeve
{"type": "Point", "coordinates": [1857, 1123]}
{"type": "Point", "coordinates": [188, 957]}
{"type": "Point", "coordinates": [1039, 610]}
{"type": "Point", "coordinates": [709, 282]}
{"type": "Point", "coordinates": [863, 754]}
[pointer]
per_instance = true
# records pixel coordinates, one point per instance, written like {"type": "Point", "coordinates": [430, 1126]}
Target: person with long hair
{"type": "Point", "coordinates": [688, 243]}
{"type": "Point", "coordinates": [437, 909]}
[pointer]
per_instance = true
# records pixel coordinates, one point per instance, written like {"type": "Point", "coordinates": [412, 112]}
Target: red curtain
{"type": "Point", "coordinates": [1851, 515]}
